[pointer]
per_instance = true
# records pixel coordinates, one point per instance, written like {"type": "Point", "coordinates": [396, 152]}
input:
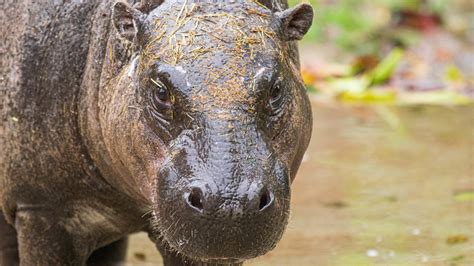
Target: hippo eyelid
{"type": "Point", "coordinates": [173, 76]}
{"type": "Point", "coordinates": [158, 82]}
{"type": "Point", "coordinates": [160, 102]}
{"type": "Point", "coordinates": [157, 117]}
{"type": "Point", "coordinates": [161, 88]}
{"type": "Point", "coordinates": [276, 96]}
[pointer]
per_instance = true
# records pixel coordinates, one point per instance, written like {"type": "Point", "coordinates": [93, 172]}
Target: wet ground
{"type": "Point", "coordinates": [378, 186]}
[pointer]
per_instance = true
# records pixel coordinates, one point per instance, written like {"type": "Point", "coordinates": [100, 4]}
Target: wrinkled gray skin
{"type": "Point", "coordinates": [184, 119]}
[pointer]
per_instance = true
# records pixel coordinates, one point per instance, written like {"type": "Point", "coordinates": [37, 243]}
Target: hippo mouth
{"type": "Point", "coordinates": [225, 261]}
{"type": "Point", "coordinates": [217, 215]}
{"type": "Point", "coordinates": [218, 238]}
{"type": "Point", "coordinates": [219, 228]}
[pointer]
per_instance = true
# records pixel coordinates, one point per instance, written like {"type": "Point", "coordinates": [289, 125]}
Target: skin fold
{"type": "Point", "coordinates": [184, 119]}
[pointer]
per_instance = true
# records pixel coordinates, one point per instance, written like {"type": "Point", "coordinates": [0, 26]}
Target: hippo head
{"type": "Point", "coordinates": [217, 121]}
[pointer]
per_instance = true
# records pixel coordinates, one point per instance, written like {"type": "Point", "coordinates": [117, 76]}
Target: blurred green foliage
{"type": "Point", "coordinates": [375, 38]}
{"type": "Point", "coordinates": [350, 23]}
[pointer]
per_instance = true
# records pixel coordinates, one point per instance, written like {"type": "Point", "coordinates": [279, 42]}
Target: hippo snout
{"type": "Point", "coordinates": [202, 202]}
{"type": "Point", "coordinates": [247, 212]}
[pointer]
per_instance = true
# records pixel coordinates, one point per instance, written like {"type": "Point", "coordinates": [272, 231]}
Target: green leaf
{"type": "Point", "coordinates": [384, 70]}
{"type": "Point", "coordinates": [353, 84]}
{"type": "Point", "coordinates": [453, 74]}
{"type": "Point", "coordinates": [457, 258]}
{"type": "Point", "coordinates": [464, 196]}
{"type": "Point", "coordinates": [311, 89]}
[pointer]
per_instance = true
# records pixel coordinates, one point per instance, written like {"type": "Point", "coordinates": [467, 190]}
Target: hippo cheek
{"type": "Point", "coordinates": [198, 220]}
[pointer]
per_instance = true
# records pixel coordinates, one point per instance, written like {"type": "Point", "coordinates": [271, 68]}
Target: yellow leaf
{"type": "Point", "coordinates": [369, 96]}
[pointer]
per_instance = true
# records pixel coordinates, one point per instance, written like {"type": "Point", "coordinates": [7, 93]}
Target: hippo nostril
{"type": "Point", "coordinates": [266, 199]}
{"type": "Point", "coordinates": [195, 199]}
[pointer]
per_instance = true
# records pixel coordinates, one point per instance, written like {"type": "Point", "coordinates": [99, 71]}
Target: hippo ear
{"type": "Point", "coordinates": [146, 6]}
{"type": "Point", "coordinates": [127, 20]}
{"type": "Point", "coordinates": [296, 21]}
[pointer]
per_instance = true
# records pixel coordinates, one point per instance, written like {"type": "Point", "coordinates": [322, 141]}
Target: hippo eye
{"type": "Point", "coordinates": [276, 96]}
{"type": "Point", "coordinates": [161, 94]}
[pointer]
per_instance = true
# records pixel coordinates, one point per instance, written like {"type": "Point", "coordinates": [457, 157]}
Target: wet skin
{"type": "Point", "coordinates": [191, 122]}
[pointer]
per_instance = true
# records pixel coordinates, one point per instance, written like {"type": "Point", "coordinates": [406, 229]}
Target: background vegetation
{"type": "Point", "coordinates": [391, 51]}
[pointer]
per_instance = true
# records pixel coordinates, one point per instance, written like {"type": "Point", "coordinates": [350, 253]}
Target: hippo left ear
{"type": "Point", "coordinates": [296, 21]}
{"type": "Point", "coordinates": [127, 20]}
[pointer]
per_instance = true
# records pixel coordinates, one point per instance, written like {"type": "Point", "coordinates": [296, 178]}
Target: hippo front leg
{"type": "Point", "coordinates": [43, 239]}
{"type": "Point", "coordinates": [112, 254]}
{"type": "Point", "coordinates": [8, 243]}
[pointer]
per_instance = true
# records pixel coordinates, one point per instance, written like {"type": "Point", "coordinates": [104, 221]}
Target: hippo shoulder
{"type": "Point", "coordinates": [43, 58]}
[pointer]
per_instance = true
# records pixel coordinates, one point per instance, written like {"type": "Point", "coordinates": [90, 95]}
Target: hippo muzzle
{"type": "Point", "coordinates": [215, 188]}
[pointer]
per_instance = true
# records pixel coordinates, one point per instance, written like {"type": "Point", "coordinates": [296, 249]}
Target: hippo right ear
{"type": "Point", "coordinates": [296, 21]}
{"type": "Point", "coordinates": [127, 20]}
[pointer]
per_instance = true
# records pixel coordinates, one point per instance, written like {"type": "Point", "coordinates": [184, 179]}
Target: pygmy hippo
{"type": "Point", "coordinates": [185, 119]}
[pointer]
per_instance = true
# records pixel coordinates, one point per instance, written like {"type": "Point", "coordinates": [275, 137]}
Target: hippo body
{"type": "Point", "coordinates": [90, 155]}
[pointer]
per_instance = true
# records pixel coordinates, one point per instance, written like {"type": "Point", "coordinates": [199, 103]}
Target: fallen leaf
{"type": "Point", "coordinates": [353, 84]}
{"type": "Point", "coordinates": [383, 71]}
{"type": "Point", "coordinates": [336, 204]}
{"type": "Point", "coordinates": [457, 258]}
{"type": "Point", "coordinates": [308, 76]}
{"type": "Point", "coordinates": [463, 196]}
{"type": "Point", "coordinates": [369, 96]}
{"type": "Point", "coordinates": [364, 63]}
{"type": "Point", "coordinates": [453, 74]}
{"type": "Point", "coordinates": [441, 97]}
{"type": "Point", "coordinates": [456, 239]}
{"type": "Point", "coordinates": [140, 256]}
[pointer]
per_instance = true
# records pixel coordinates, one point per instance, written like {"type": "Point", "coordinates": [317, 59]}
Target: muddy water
{"type": "Point", "coordinates": [378, 186]}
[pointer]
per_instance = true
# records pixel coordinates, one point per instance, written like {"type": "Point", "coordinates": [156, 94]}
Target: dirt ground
{"type": "Point", "coordinates": [378, 186]}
